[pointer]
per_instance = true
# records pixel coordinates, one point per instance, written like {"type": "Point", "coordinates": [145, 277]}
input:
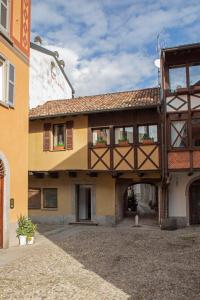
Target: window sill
{"type": "Point", "coordinates": [4, 104]}
{"type": "Point", "coordinates": [57, 150]}
{"type": "Point", "coordinates": [49, 209]}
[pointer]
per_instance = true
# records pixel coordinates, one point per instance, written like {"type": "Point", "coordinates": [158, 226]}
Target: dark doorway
{"type": "Point", "coordinates": [83, 203]}
{"type": "Point", "coordinates": [1, 210]}
{"type": "Point", "coordinates": [194, 202]}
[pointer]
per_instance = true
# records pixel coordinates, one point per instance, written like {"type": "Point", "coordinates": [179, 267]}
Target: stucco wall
{"type": "Point", "coordinates": [103, 193]}
{"type": "Point", "coordinates": [178, 194]}
{"type": "Point", "coordinates": [14, 136]}
{"type": "Point", "coordinates": [46, 83]}
{"type": "Point", "coordinates": [59, 160]}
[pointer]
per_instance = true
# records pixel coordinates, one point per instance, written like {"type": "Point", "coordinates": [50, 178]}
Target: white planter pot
{"type": "Point", "coordinates": [22, 240]}
{"type": "Point", "coordinates": [30, 241]}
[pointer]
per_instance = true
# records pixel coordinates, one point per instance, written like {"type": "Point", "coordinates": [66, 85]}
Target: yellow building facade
{"type": "Point", "coordinates": [83, 156]}
{"type": "Point", "coordinates": [14, 96]}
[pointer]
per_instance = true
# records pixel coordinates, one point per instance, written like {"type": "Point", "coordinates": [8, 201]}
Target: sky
{"type": "Point", "coordinates": [111, 45]}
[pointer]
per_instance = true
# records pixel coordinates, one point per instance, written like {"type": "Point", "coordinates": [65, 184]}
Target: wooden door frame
{"type": "Point", "coordinates": [77, 192]}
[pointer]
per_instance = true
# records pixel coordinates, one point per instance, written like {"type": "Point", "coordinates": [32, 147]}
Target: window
{"type": "Point", "coordinates": [148, 134]}
{"type": "Point", "coordinates": [194, 75]}
{"type": "Point", "coordinates": [4, 14]}
{"type": "Point", "coordinates": [34, 199]}
{"type": "Point", "coordinates": [179, 134]}
{"type": "Point", "coordinates": [59, 136]}
{"type": "Point", "coordinates": [11, 84]}
{"type": "Point", "coordinates": [195, 124]}
{"type": "Point", "coordinates": [101, 136]}
{"type": "Point", "coordinates": [177, 78]}
{"type": "Point", "coordinates": [123, 135]}
{"type": "Point", "coordinates": [7, 82]}
{"type": "Point", "coordinates": [50, 198]}
{"type": "Point", "coordinates": [2, 81]}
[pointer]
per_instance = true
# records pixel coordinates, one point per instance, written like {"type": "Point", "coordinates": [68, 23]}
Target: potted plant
{"type": "Point", "coordinates": [60, 146]}
{"type": "Point", "coordinates": [100, 142]}
{"type": "Point", "coordinates": [31, 229]}
{"type": "Point", "coordinates": [22, 230]}
{"type": "Point", "coordinates": [123, 141]}
{"type": "Point", "coordinates": [147, 139]}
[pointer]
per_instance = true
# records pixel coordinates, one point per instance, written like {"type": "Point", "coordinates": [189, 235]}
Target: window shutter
{"type": "Point", "coordinates": [10, 83]}
{"type": "Point", "coordinates": [47, 137]}
{"type": "Point", "coordinates": [69, 135]}
{"type": "Point", "coordinates": [34, 199]}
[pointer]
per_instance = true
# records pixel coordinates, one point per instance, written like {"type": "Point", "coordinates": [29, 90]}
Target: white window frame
{"type": "Point", "coordinates": [2, 28]}
{"type": "Point", "coordinates": [6, 81]}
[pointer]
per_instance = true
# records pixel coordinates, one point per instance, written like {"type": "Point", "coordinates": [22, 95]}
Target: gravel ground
{"type": "Point", "coordinates": [122, 262]}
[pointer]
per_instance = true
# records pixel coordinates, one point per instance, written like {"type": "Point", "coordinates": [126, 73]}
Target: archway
{"type": "Point", "coordinates": [2, 174]}
{"type": "Point", "coordinates": [194, 202]}
{"type": "Point", "coordinates": [4, 200]}
{"type": "Point", "coordinates": [142, 199]}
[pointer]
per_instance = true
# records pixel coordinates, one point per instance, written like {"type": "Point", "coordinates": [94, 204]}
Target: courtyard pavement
{"type": "Point", "coordinates": [122, 262]}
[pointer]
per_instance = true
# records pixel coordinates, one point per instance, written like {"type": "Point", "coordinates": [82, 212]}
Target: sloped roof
{"type": "Point", "coordinates": [99, 103]}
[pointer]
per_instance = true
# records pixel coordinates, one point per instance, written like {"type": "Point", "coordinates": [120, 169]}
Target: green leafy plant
{"type": "Point", "coordinates": [31, 229]}
{"type": "Point", "coordinates": [22, 226]}
{"type": "Point", "coordinates": [25, 227]}
{"type": "Point", "coordinates": [123, 139]}
{"type": "Point", "coordinates": [147, 137]}
{"type": "Point", "coordinates": [100, 140]}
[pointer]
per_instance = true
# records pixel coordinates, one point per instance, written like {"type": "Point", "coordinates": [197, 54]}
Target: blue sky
{"type": "Point", "coordinates": [110, 45]}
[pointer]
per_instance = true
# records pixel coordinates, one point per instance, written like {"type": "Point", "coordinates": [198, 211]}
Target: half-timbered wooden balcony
{"type": "Point", "coordinates": [130, 147]}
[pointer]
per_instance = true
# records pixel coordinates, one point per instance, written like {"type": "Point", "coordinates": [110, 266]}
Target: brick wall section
{"type": "Point", "coordinates": [179, 160]}
{"type": "Point", "coordinates": [196, 159]}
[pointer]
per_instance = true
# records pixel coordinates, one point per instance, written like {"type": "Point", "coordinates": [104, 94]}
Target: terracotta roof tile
{"type": "Point", "coordinates": [106, 102]}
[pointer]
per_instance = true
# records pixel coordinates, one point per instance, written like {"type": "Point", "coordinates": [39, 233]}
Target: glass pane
{"type": "Point", "coordinates": [177, 78]}
{"type": "Point", "coordinates": [1, 81]}
{"type": "Point", "coordinates": [195, 132]}
{"type": "Point", "coordinates": [101, 136]}
{"type": "Point", "coordinates": [50, 198]}
{"type": "Point", "coordinates": [118, 134]}
{"type": "Point", "coordinates": [3, 16]}
{"type": "Point", "coordinates": [129, 134]}
{"type": "Point", "coordinates": [11, 93]}
{"type": "Point", "coordinates": [5, 2]}
{"type": "Point", "coordinates": [194, 75]}
{"type": "Point", "coordinates": [153, 133]}
{"type": "Point", "coordinates": [59, 136]}
{"type": "Point", "coordinates": [178, 134]}
{"type": "Point", "coordinates": [142, 132]}
{"type": "Point", "coordinates": [11, 73]}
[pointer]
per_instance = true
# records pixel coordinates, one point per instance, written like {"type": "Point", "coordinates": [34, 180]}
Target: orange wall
{"type": "Point", "coordinates": [75, 159]}
{"type": "Point", "coordinates": [14, 134]}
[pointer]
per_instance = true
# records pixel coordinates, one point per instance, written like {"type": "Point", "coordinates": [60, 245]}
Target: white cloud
{"type": "Point", "coordinates": [105, 43]}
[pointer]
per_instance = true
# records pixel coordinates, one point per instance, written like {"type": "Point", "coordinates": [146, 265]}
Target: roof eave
{"type": "Point", "coordinates": [94, 111]}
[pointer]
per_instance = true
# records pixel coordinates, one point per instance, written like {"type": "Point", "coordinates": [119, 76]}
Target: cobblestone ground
{"type": "Point", "coordinates": [120, 262]}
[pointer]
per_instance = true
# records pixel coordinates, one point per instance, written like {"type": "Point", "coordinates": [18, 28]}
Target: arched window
{"type": "Point", "coordinates": [2, 170]}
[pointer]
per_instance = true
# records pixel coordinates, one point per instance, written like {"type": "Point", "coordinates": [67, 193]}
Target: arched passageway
{"type": "Point", "coordinates": [2, 173]}
{"type": "Point", "coordinates": [142, 199]}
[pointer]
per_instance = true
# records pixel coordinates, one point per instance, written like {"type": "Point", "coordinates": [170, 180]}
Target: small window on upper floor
{"type": "Point", "coordinates": [179, 134]}
{"type": "Point", "coordinates": [7, 82]}
{"type": "Point", "coordinates": [59, 136]}
{"type": "Point", "coordinates": [148, 134]}
{"type": "Point", "coordinates": [4, 15]}
{"type": "Point", "coordinates": [177, 78]}
{"type": "Point", "coordinates": [101, 137]}
{"type": "Point", "coordinates": [194, 75]}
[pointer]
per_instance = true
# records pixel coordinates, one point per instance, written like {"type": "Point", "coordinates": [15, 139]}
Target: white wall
{"type": "Point", "coordinates": [44, 83]}
{"type": "Point", "coordinates": [178, 194]}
